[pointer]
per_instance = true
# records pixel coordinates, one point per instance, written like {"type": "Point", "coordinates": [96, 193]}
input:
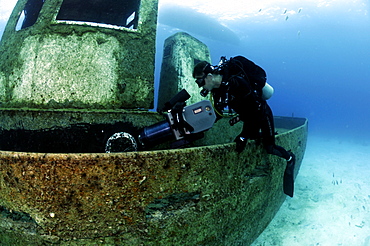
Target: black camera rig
{"type": "Point", "coordinates": [183, 125]}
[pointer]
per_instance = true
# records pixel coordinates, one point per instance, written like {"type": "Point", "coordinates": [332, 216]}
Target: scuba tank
{"type": "Point", "coordinates": [267, 91]}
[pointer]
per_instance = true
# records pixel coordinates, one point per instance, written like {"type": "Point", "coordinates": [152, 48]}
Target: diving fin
{"type": "Point", "coordinates": [288, 181]}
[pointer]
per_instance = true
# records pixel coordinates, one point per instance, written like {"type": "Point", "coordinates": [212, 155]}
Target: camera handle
{"type": "Point", "coordinates": [180, 126]}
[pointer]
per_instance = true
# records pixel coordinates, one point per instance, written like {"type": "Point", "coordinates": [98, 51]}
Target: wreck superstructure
{"type": "Point", "coordinates": [79, 54]}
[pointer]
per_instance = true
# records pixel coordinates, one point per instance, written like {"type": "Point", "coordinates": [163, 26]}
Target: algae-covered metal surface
{"type": "Point", "coordinates": [181, 52]}
{"type": "Point", "coordinates": [66, 60]}
{"type": "Point", "coordinates": [206, 195]}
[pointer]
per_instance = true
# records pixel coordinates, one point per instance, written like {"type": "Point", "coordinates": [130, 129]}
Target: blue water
{"type": "Point", "coordinates": [317, 61]}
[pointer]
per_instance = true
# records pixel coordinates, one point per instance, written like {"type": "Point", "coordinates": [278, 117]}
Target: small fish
{"type": "Point", "coordinates": [286, 18]}
{"type": "Point", "coordinates": [284, 12]}
{"type": "Point", "coordinates": [299, 10]}
{"type": "Point", "coordinates": [260, 10]}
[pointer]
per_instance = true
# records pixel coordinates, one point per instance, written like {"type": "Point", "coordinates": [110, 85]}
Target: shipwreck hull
{"type": "Point", "coordinates": [68, 81]}
{"type": "Point", "coordinates": [203, 195]}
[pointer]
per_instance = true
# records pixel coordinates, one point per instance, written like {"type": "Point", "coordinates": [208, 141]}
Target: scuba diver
{"type": "Point", "coordinates": [240, 85]}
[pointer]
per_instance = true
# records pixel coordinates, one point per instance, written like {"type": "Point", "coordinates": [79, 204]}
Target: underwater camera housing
{"type": "Point", "coordinates": [183, 124]}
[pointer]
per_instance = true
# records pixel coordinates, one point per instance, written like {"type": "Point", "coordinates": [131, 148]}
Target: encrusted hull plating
{"type": "Point", "coordinates": [206, 195]}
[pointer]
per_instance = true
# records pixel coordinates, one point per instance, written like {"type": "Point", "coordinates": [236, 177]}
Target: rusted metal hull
{"type": "Point", "coordinates": [206, 195]}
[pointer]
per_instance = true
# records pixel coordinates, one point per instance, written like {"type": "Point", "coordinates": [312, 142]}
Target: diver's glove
{"type": "Point", "coordinates": [241, 142]}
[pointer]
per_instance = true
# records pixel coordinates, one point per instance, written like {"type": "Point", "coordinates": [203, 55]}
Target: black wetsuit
{"type": "Point", "coordinates": [241, 90]}
{"type": "Point", "coordinates": [239, 95]}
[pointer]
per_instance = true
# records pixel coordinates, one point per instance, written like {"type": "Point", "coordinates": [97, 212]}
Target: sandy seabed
{"type": "Point", "coordinates": [331, 203]}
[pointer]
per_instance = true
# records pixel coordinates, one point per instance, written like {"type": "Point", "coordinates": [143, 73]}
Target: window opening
{"type": "Point", "coordinates": [29, 14]}
{"type": "Point", "coordinates": [123, 13]}
{"type": "Point", "coordinates": [20, 21]}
